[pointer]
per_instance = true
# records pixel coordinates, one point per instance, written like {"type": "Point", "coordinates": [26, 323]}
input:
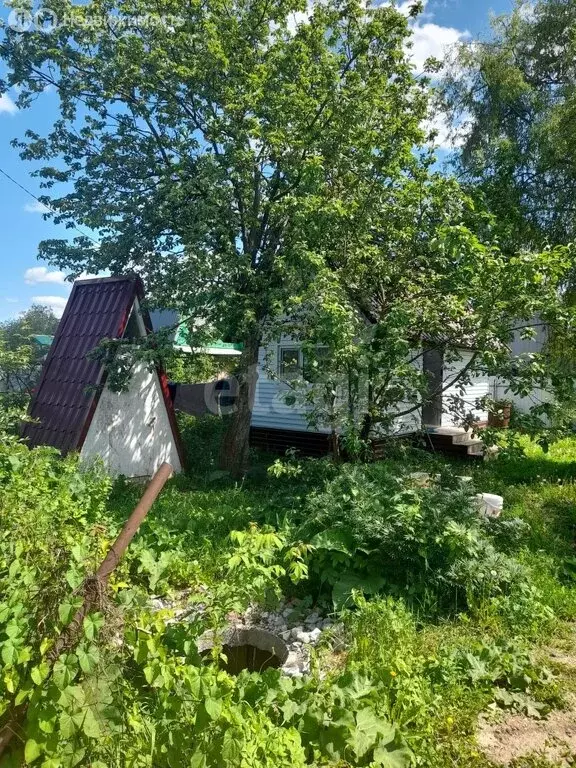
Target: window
{"type": "Point", "coordinates": [293, 362]}
{"type": "Point", "coordinates": [289, 362]}
{"type": "Point", "coordinates": [314, 366]}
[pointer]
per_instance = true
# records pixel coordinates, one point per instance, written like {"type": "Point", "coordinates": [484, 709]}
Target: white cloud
{"type": "Point", "coordinates": [448, 137]}
{"type": "Point", "coordinates": [429, 40]}
{"type": "Point", "coordinates": [36, 207]}
{"type": "Point", "coordinates": [56, 303]}
{"type": "Point", "coordinates": [432, 40]}
{"type": "Point", "coordinates": [7, 105]}
{"type": "Point", "coordinates": [11, 300]}
{"type": "Point", "coordinates": [36, 275]}
{"type": "Point", "coordinates": [406, 6]}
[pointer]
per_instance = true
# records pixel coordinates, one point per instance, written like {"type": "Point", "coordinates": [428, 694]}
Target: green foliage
{"type": "Point", "coordinates": [267, 141]}
{"type": "Point", "coordinates": [515, 92]}
{"type": "Point", "coordinates": [187, 368]}
{"type": "Point", "coordinates": [202, 440]}
{"type": "Point", "coordinates": [388, 687]}
{"type": "Point", "coordinates": [345, 718]}
{"type": "Point", "coordinates": [50, 541]}
{"type": "Point", "coordinates": [375, 317]}
{"type": "Point", "coordinates": [20, 361]}
{"type": "Point", "coordinates": [432, 675]}
{"type": "Point", "coordinates": [372, 532]}
{"type": "Point", "coordinates": [135, 691]}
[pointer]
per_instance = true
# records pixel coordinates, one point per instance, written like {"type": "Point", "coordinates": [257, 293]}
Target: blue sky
{"type": "Point", "coordinates": [24, 279]}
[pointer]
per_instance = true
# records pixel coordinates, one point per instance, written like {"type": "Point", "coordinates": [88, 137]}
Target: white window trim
{"type": "Point", "coordinates": [296, 348]}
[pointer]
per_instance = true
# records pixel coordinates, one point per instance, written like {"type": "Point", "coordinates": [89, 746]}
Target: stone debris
{"type": "Point", "coordinates": [299, 631]}
{"type": "Point", "coordinates": [300, 635]}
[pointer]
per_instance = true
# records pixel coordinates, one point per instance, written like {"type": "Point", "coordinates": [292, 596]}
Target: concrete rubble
{"type": "Point", "coordinates": [298, 628]}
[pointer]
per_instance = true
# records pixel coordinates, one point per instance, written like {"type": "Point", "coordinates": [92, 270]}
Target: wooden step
{"type": "Point", "coordinates": [454, 441]}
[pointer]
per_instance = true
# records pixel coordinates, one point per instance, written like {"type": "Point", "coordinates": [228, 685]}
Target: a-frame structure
{"type": "Point", "coordinates": [133, 431]}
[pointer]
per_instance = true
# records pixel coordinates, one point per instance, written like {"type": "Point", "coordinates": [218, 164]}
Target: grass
{"type": "Point", "coordinates": [201, 509]}
{"type": "Point", "coordinates": [449, 616]}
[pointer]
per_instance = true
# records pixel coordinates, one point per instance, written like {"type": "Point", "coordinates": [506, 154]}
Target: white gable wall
{"type": "Point", "coordinates": [130, 431]}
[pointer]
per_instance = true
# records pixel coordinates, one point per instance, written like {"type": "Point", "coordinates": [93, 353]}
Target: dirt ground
{"type": "Point", "coordinates": [519, 736]}
{"type": "Point", "coordinates": [554, 737]}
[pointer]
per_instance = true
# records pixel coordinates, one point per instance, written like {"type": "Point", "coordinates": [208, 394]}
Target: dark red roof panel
{"type": "Point", "coordinates": [66, 395]}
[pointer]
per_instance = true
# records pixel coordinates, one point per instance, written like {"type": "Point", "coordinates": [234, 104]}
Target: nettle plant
{"type": "Point", "coordinates": [371, 532]}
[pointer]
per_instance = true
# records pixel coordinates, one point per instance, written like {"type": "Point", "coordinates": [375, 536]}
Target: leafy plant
{"type": "Point", "coordinates": [372, 532]}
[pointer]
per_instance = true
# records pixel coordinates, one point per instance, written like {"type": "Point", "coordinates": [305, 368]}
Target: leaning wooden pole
{"type": "Point", "coordinates": [93, 586]}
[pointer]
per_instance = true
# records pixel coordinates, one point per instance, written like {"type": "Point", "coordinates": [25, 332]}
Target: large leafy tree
{"type": "Point", "coordinates": [21, 357]}
{"type": "Point", "coordinates": [431, 278]}
{"type": "Point", "coordinates": [226, 154]}
{"type": "Point", "coordinates": [513, 97]}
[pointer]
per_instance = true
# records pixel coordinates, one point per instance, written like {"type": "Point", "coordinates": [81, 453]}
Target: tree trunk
{"type": "Point", "coordinates": [235, 447]}
{"type": "Point", "coordinates": [366, 427]}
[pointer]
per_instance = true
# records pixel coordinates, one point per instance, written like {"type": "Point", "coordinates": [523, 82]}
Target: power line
{"type": "Point", "coordinates": [23, 188]}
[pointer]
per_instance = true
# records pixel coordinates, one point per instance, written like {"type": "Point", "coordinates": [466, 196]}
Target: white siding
{"type": "Point", "coordinates": [270, 409]}
{"type": "Point", "coordinates": [480, 386]}
{"type": "Point", "coordinates": [522, 347]}
{"type": "Point", "coordinates": [130, 431]}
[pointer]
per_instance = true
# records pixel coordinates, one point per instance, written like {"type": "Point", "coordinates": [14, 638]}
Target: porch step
{"type": "Point", "coordinates": [454, 440]}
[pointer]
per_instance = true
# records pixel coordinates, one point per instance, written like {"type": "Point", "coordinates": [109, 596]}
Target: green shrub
{"type": "Point", "coordinates": [429, 545]}
{"type": "Point", "coordinates": [202, 440]}
{"type": "Point", "coordinates": [130, 689]}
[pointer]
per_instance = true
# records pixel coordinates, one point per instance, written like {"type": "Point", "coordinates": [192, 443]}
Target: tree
{"type": "Point", "coordinates": [21, 357]}
{"type": "Point", "coordinates": [514, 99]}
{"type": "Point", "coordinates": [429, 278]}
{"type": "Point", "coordinates": [38, 320]}
{"type": "Point", "coordinates": [223, 153]}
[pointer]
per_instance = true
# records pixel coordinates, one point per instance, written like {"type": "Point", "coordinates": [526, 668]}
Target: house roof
{"type": "Point", "coordinates": [180, 335]}
{"type": "Point", "coordinates": [67, 394]}
{"type": "Point", "coordinates": [165, 318]}
{"type": "Point", "coordinates": [43, 340]}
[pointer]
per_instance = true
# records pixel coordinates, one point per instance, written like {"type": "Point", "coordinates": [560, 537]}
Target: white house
{"type": "Point", "coordinates": [275, 423]}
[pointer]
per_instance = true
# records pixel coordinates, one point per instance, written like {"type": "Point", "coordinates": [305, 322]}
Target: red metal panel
{"type": "Point", "coordinates": [172, 416]}
{"type": "Point", "coordinates": [68, 390]}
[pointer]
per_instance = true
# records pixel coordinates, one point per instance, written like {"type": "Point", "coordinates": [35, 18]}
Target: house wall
{"type": "Point", "coordinates": [521, 347]}
{"type": "Point", "coordinates": [271, 411]}
{"type": "Point", "coordinates": [130, 431]}
{"type": "Point", "coordinates": [480, 386]}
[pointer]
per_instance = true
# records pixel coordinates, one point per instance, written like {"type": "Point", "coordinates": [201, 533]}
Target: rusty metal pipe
{"type": "Point", "coordinates": [163, 473]}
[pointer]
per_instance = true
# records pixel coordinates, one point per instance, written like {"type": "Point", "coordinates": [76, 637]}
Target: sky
{"type": "Point", "coordinates": [25, 280]}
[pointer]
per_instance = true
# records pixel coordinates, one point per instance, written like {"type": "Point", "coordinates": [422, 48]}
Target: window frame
{"type": "Point", "coordinates": [280, 363]}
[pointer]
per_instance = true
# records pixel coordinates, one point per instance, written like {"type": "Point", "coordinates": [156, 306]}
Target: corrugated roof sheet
{"type": "Point", "coordinates": [65, 397]}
